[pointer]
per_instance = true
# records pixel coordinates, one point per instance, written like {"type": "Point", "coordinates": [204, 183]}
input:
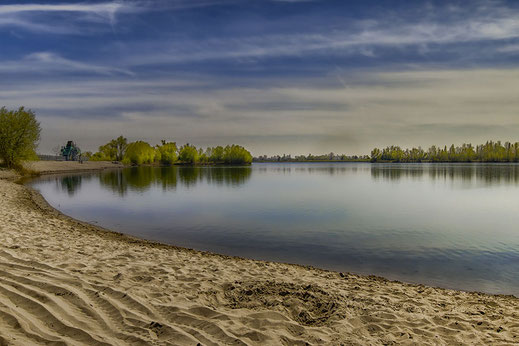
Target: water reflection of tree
{"type": "Point", "coordinates": [336, 168]}
{"type": "Point", "coordinates": [135, 178]}
{"type": "Point", "coordinates": [115, 180]}
{"type": "Point", "coordinates": [234, 176]}
{"type": "Point", "coordinates": [71, 184]}
{"type": "Point", "coordinates": [490, 174]}
{"type": "Point", "coordinates": [190, 176]}
{"type": "Point", "coordinates": [168, 177]}
{"type": "Point", "coordinates": [142, 178]}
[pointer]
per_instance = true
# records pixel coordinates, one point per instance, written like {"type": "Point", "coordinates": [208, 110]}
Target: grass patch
{"type": "Point", "coordinates": [25, 172]}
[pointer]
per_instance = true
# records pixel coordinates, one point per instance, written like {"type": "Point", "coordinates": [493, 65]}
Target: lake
{"type": "Point", "coordinates": [448, 225]}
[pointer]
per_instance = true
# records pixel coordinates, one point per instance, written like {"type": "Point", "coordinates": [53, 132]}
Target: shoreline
{"type": "Point", "coordinates": [267, 302]}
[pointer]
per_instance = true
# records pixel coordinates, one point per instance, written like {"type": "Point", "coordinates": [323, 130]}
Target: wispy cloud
{"type": "Point", "coordinates": [490, 23]}
{"type": "Point", "coordinates": [101, 9]}
{"type": "Point", "coordinates": [510, 48]}
{"type": "Point", "coordinates": [291, 71]}
{"type": "Point", "coordinates": [49, 62]}
{"type": "Point", "coordinates": [429, 107]}
{"type": "Point", "coordinates": [34, 17]}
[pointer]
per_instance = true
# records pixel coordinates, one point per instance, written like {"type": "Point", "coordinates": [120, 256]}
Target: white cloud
{"type": "Point", "coordinates": [101, 9]}
{"type": "Point", "coordinates": [32, 17]}
{"type": "Point", "coordinates": [511, 48]}
{"type": "Point", "coordinates": [377, 109]}
{"type": "Point", "coordinates": [363, 38]}
{"type": "Point", "coordinates": [48, 62]}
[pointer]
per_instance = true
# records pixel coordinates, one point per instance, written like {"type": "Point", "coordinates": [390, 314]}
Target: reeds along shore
{"type": "Point", "coordinates": [67, 282]}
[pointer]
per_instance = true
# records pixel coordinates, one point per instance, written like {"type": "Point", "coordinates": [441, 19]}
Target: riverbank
{"type": "Point", "coordinates": [64, 280]}
{"type": "Point", "coordinates": [49, 167]}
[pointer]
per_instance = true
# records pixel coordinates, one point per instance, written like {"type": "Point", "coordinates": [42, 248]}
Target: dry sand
{"type": "Point", "coordinates": [67, 282]}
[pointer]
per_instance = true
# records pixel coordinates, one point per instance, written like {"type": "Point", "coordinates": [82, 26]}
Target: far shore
{"type": "Point", "coordinates": [50, 167]}
{"type": "Point", "coordinates": [394, 162]}
{"type": "Point", "coordinates": [68, 281]}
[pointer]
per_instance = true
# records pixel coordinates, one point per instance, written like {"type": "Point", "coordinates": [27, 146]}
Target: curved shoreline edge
{"type": "Point", "coordinates": [162, 293]}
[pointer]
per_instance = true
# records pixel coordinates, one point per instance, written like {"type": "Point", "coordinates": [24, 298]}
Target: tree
{"type": "Point", "coordinates": [138, 153]}
{"type": "Point", "coordinates": [19, 136]}
{"type": "Point", "coordinates": [203, 156]}
{"type": "Point", "coordinates": [375, 155]}
{"type": "Point", "coordinates": [488, 152]}
{"type": "Point", "coordinates": [120, 145]}
{"type": "Point", "coordinates": [216, 154]}
{"type": "Point", "coordinates": [112, 151]}
{"type": "Point", "coordinates": [87, 155]}
{"type": "Point", "coordinates": [106, 153]}
{"type": "Point", "coordinates": [167, 152]}
{"type": "Point", "coordinates": [188, 154]}
{"type": "Point", "coordinates": [236, 154]}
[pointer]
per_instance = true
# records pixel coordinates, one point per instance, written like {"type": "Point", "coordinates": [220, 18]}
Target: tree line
{"type": "Point", "coordinates": [488, 152]}
{"type": "Point", "coordinates": [20, 133]}
{"type": "Point", "coordinates": [308, 158]}
{"type": "Point", "coordinates": [167, 153]}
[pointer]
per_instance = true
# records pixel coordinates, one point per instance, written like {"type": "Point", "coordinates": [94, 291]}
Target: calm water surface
{"type": "Point", "coordinates": [450, 225]}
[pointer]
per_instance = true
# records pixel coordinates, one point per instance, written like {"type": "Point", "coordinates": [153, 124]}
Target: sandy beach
{"type": "Point", "coordinates": [65, 282]}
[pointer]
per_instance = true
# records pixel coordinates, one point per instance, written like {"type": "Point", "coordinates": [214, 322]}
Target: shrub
{"type": "Point", "coordinates": [216, 154]}
{"type": "Point", "coordinates": [188, 154]}
{"type": "Point", "coordinates": [167, 153]}
{"type": "Point", "coordinates": [138, 153]}
{"type": "Point", "coordinates": [236, 154]}
{"type": "Point", "coordinates": [19, 136]}
{"type": "Point", "coordinates": [99, 156]}
{"type": "Point", "coordinates": [112, 151]}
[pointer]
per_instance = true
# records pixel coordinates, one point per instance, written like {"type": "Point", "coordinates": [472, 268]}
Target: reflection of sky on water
{"type": "Point", "coordinates": [444, 224]}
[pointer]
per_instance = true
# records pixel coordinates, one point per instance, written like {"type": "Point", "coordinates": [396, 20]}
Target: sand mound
{"type": "Point", "coordinates": [63, 282]}
{"type": "Point", "coordinates": [309, 305]}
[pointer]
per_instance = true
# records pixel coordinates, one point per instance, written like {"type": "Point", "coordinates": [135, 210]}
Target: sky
{"type": "Point", "coordinates": [276, 76]}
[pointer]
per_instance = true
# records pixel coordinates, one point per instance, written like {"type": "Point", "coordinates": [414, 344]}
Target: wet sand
{"type": "Point", "coordinates": [67, 282]}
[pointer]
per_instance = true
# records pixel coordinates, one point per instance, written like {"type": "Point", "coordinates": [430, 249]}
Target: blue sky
{"type": "Point", "coordinates": [278, 76]}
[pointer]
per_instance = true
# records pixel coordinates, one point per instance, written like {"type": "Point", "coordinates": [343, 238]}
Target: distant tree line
{"type": "Point", "coordinates": [20, 133]}
{"type": "Point", "coordinates": [488, 152]}
{"type": "Point", "coordinates": [310, 157]}
{"type": "Point", "coordinates": [167, 153]}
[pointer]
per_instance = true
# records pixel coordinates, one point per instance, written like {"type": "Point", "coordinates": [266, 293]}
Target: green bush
{"type": "Point", "coordinates": [188, 154]}
{"type": "Point", "coordinates": [216, 154]}
{"type": "Point", "coordinates": [19, 136]}
{"type": "Point", "coordinates": [139, 153]}
{"type": "Point", "coordinates": [112, 151]}
{"type": "Point", "coordinates": [99, 156]}
{"type": "Point", "coordinates": [167, 153]}
{"type": "Point", "coordinates": [236, 154]}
